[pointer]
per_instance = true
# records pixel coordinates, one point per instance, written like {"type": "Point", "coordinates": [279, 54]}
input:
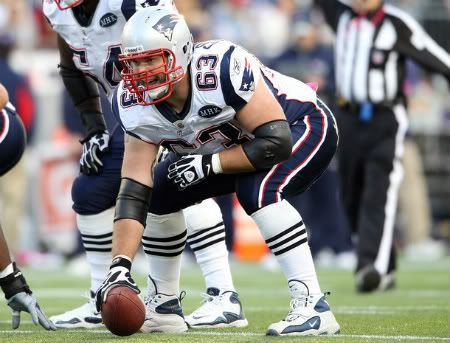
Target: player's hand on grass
{"type": "Point", "coordinates": [26, 302]}
{"type": "Point", "coordinates": [19, 298]}
{"type": "Point", "coordinates": [119, 275]}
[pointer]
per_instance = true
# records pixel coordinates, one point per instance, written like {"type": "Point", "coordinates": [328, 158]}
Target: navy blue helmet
{"type": "Point", "coordinates": [13, 139]}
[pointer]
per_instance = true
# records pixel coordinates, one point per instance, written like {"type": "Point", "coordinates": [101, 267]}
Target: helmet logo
{"type": "Point", "coordinates": [166, 25]}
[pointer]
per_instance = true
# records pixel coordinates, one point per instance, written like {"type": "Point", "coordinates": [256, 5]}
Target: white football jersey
{"type": "Point", "coordinates": [96, 45]}
{"type": "Point", "coordinates": [223, 79]}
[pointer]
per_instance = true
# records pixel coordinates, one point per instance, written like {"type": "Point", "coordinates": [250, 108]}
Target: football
{"type": "Point", "coordinates": [123, 312]}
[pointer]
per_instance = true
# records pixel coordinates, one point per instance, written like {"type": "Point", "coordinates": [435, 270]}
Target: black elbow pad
{"type": "Point", "coordinates": [133, 201]}
{"type": "Point", "coordinates": [272, 144]}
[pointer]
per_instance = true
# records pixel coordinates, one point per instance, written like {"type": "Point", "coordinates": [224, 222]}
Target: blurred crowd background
{"type": "Point", "coordinates": [287, 35]}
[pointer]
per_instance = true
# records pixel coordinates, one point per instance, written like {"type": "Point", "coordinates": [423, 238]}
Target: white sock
{"type": "Point", "coordinates": [206, 237]}
{"type": "Point", "coordinates": [163, 242]}
{"type": "Point", "coordinates": [96, 234]}
{"type": "Point", "coordinates": [285, 233]}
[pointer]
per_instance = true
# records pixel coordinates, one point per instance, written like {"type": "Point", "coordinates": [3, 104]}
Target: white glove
{"type": "Point", "coordinates": [93, 146]}
{"type": "Point", "coordinates": [190, 170]}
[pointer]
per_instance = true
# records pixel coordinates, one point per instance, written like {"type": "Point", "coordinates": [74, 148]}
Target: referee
{"type": "Point", "coordinates": [373, 40]}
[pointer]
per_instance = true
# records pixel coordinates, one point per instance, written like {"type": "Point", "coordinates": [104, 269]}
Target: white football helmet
{"type": "Point", "coordinates": [151, 33]}
{"type": "Point", "coordinates": [66, 4]}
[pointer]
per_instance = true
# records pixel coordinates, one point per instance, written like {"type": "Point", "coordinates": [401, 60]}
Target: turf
{"type": "Point", "coordinates": [417, 310]}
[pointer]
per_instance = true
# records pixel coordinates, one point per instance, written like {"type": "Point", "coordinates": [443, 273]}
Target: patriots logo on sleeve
{"type": "Point", "coordinates": [248, 80]}
{"type": "Point", "coordinates": [166, 25]}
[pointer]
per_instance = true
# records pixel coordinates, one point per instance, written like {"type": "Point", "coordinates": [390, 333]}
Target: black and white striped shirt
{"type": "Point", "coordinates": [371, 51]}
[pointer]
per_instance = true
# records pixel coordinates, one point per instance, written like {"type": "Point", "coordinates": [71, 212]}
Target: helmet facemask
{"type": "Point", "coordinates": [66, 4]}
{"type": "Point", "coordinates": [151, 83]}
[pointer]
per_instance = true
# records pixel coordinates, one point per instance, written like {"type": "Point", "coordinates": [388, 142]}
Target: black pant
{"type": "Point", "coordinates": [370, 173]}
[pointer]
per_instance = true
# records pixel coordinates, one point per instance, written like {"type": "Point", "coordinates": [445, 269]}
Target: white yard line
{"type": "Point", "coordinates": [412, 338]}
{"type": "Point", "coordinates": [416, 338]}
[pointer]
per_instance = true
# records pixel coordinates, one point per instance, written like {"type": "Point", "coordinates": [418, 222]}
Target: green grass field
{"type": "Point", "coordinates": [416, 311]}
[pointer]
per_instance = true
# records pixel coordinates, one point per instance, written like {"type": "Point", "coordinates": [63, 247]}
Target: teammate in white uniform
{"type": "Point", "coordinates": [239, 126]}
{"type": "Point", "coordinates": [89, 43]}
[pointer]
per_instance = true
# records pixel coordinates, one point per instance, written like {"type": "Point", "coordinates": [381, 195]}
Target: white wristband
{"type": "Point", "coordinates": [216, 166]}
{"type": "Point", "coordinates": [8, 270]}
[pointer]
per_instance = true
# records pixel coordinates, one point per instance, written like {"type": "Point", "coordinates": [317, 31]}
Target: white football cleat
{"type": "Point", "coordinates": [85, 316]}
{"type": "Point", "coordinates": [163, 312]}
{"type": "Point", "coordinates": [220, 309]}
{"type": "Point", "coordinates": [309, 315]}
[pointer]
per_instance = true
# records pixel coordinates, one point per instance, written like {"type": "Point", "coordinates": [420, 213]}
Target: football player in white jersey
{"type": "Point", "coordinates": [239, 126]}
{"type": "Point", "coordinates": [18, 294]}
{"type": "Point", "coordinates": [89, 34]}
